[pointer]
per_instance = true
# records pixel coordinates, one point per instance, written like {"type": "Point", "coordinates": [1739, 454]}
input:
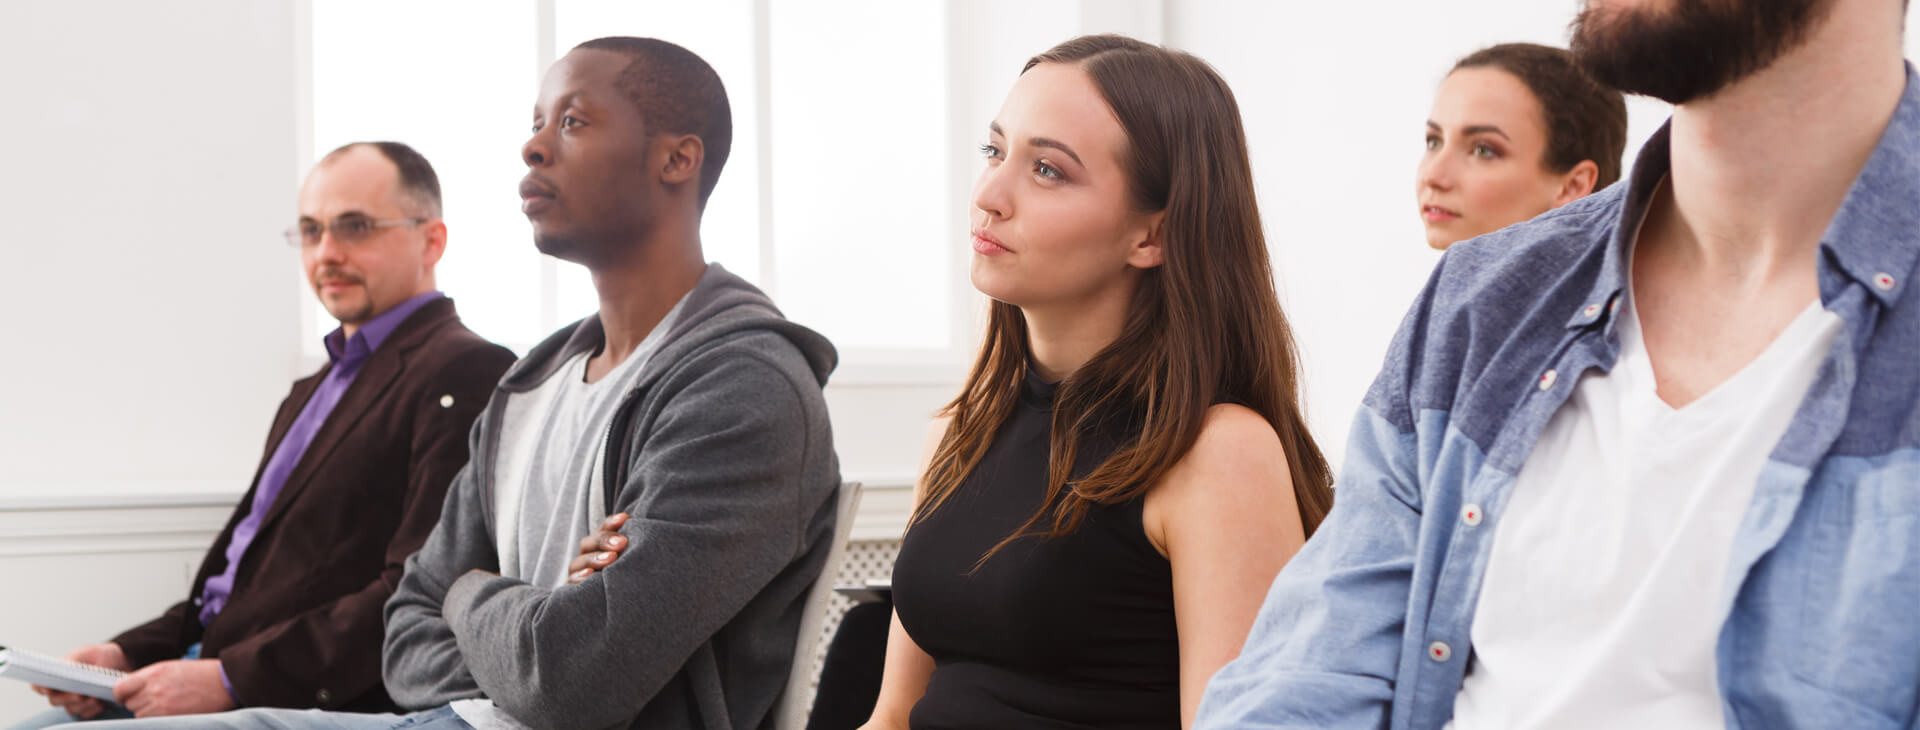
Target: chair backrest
{"type": "Point", "coordinates": [790, 713]}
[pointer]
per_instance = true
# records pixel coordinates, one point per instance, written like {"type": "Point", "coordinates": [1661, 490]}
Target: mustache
{"type": "Point", "coordinates": [333, 274]}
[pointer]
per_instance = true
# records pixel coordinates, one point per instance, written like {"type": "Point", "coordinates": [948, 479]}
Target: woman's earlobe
{"type": "Point", "coordinates": [1151, 251]}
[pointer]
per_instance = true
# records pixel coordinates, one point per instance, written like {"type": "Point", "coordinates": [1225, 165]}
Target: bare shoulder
{"type": "Point", "coordinates": [1236, 473]}
{"type": "Point", "coordinates": [936, 430]}
{"type": "Point", "coordinates": [1236, 449]}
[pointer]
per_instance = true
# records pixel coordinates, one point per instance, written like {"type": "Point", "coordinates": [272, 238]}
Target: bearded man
{"type": "Point", "coordinates": [1651, 460]}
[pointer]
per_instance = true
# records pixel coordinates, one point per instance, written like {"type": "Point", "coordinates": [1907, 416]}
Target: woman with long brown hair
{"type": "Point", "coordinates": [1126, 469]}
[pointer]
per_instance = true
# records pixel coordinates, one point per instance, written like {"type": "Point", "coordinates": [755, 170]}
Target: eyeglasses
{"type": "Point", "coordinates": [349, 228]}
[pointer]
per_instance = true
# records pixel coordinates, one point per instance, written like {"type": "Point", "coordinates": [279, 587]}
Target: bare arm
{"type": "Point", "coordinates": [1226, 519]}
{"type": "Point", "coordinates": [908, 667]}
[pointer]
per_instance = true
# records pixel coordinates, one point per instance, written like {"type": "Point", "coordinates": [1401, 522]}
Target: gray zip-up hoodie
{"type": "Point", "coordinates": [723, 457]}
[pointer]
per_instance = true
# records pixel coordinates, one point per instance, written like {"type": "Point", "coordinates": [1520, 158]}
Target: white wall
{"type": "Point", "coordinates": [1335, 98]}
{"type": "Point", "coordinates": [148, 319]}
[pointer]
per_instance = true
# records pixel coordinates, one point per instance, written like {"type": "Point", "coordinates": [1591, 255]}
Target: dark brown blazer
{"type": "Point", "coordinates": [303, 625]}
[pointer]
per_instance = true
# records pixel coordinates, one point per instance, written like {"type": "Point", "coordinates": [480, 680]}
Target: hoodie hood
{"type": "Point", "coordinates": [720, 306]}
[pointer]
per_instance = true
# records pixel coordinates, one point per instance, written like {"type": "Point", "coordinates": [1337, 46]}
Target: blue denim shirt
{"type": "Point", "coordinates": [1368, 626]}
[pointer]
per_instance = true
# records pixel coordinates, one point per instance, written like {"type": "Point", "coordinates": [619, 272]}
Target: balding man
{"type": "Point", "coordinates": [286, 608]}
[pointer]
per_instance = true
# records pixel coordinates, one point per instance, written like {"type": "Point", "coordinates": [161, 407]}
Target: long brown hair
{"type": "Point", "coordinates": [1204, 327]}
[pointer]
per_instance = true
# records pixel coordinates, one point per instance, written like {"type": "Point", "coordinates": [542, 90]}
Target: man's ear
{"type": "Point", "coordinates": [684, 155]}
{"type": "Point", "coordinates": [1149, 250]}
{"type": "Point", "coordinates": [436, 231]}
{"type": "Point", "coordinates": [1577, 183]}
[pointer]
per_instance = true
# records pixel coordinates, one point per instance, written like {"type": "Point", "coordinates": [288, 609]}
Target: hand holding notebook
{"type": "Point", "coordinates": [59, 674]}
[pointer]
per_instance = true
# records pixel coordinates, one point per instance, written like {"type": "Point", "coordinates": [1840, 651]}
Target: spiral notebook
{"type": "Point", "coordinates": [58, 674]}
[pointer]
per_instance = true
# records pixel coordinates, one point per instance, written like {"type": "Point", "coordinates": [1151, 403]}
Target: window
{"type": "Point", "coordinates": [837, 195]}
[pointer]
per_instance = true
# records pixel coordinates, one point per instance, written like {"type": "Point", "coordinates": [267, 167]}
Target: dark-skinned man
{"type": "Point", "coordinates": [687, 402]}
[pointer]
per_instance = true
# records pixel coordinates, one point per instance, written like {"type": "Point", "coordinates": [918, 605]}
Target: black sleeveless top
{"type": "Point", "coordinates": [1070, 632]}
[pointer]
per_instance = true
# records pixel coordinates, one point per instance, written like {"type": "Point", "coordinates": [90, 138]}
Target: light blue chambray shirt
{"type": "Point", "coordinates": [1368, 626]}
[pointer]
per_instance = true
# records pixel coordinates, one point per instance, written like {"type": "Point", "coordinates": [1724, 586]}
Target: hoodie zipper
{"type": "Point", "coordinates": [614, 458]}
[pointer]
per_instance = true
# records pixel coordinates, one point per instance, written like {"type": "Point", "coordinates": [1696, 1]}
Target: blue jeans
{"type": "Point", "coordinates": [442, 718]}
{"type": "Point", "coordinates": [56, 716]}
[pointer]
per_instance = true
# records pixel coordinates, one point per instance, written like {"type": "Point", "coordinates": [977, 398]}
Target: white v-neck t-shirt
{"type": "Point", "coordinates": [1600, 605]}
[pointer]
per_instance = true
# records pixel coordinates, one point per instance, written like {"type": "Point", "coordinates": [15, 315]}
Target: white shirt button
{"type": "Point", "coordinates": [1884, 281]}
{"type": "Point", "coordinates": [446, 401]}
{"type": "Point", "coordinates": [1471, 515]}
{"type": "Point", "coordinates": [1439, 651]}
{"type": "Point", "coordinates": [1547, 378]}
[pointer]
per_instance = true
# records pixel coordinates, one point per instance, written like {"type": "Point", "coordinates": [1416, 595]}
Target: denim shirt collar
{"type": "Point", "coordinates": [1874, 238]}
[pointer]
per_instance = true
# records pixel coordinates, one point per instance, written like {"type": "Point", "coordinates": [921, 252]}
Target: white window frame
{"type": "Point", "coordinates": [859, 366]}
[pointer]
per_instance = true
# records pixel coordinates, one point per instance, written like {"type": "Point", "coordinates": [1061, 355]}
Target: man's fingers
{"type": "Point", "coordinates": [86, 708]}
{"type": "Point", "coordinates": [77, 705]}
{"type": "Point", "coordinates": [603, 540]}
{"type": "Point", "coordinates": [129, 686]}
{"type": "Point", "coordinates": [583, 562]}
{"type": "Point", "coordinates": [598, 549]}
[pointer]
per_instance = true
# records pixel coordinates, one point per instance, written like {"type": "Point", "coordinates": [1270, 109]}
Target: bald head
{"type": "Point", "coordinates": [369, 236]}
{"type": "Point", "coordinates": [414, 178]}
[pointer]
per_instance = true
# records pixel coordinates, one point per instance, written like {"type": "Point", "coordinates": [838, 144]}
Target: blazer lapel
{"type": "Point", "coordinates": [370, 386]}
{"type": "Point", "coordinates": [282, 422]}
{"type": "Point", "coordinates": [296, 401]}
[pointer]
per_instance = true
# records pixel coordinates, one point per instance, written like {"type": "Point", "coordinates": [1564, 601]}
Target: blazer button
{"type": "Point", "coordinates": [323, 696]}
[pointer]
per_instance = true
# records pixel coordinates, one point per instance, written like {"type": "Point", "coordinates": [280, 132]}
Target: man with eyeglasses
{"type": "Point", "coordinates": [686, 413]}
{"type": "Point", "coordinates": [286, 608]}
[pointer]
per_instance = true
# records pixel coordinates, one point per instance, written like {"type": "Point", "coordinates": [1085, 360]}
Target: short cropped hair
{"type": "Point", "coordinates": [676, 93]}
{"type": "Point", "coordinates": [417, 179]}
{"type": "Point", "coordinates": [1585, 120]}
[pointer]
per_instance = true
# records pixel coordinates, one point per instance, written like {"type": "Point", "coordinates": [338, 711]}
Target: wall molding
{"type": "Point", "coordinates": [109, 531]}
{"type": "Point", "coordinates": [110, 519]}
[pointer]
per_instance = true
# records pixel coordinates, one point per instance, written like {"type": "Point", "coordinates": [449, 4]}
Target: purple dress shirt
{"type": "Point", "coordinates": [347, 354]}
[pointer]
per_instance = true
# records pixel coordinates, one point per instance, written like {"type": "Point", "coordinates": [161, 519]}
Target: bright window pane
{"type": "Point", "coordinates": [397, 71]}
{"type": "Point", "coordinates": [721, 32]}
{"type": "Point", "coordinates": [859, 138]}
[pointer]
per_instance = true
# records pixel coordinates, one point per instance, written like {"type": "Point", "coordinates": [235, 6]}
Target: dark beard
{"type": "Point", "coordinates": [1694, 48]}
